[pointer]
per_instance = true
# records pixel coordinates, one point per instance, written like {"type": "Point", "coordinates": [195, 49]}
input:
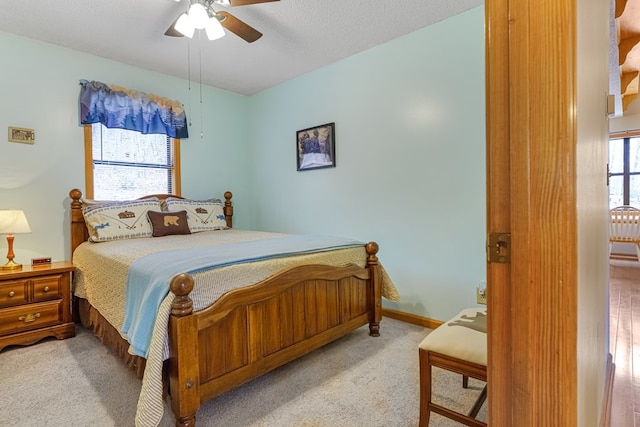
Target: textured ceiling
{"type": "Point", "coordinates": [299, 35]}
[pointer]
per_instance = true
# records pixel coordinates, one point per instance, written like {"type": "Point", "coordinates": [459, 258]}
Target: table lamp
{"type": "Point", "coordinates": [12, 222]}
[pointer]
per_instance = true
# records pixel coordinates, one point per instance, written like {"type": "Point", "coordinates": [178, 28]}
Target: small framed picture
{"type": "Point", "coordinates": [316, 147]}
{"type": "Point", "coordinates": [22, 135]}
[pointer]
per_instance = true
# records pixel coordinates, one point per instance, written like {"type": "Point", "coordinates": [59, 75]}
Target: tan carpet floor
{"type": "Point", "coordinates": [355, 381]}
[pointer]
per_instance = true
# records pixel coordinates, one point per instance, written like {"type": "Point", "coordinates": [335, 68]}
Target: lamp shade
{"type": "Point", "coordinates": [214, 29]}
{"type": "Point", "coordinates": [13, 222]}
{"type": "Point", "coordinates": [198, 16]}
{"type": "Point", "coordinates": [184, 26]}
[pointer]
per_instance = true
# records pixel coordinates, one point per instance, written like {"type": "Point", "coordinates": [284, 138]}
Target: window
{"type": "Point", "coordinates": [123, 165]}
{"type": "Point", "coordinates": [624, 171]}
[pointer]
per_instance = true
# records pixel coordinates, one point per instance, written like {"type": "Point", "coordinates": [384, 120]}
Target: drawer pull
{"type": "Point", "coordinates": [11, 293]}
{"type": "Point", "coordinates": [29, 317]}
{"type": "Point", "coordinates": [46, 289]}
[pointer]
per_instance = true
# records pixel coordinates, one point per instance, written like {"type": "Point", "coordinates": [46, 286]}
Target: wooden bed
{"type": "Point", "coordinates": [249, 331]}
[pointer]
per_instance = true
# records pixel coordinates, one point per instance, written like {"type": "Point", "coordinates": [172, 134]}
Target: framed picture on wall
{"type": "Point", "coordinates": [22, 135]}
{"type": "Point", "coordinates": [316, 147]}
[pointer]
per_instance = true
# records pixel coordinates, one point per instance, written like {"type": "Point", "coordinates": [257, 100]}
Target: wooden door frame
{"type": "Point", "coordinates": [531, 193]}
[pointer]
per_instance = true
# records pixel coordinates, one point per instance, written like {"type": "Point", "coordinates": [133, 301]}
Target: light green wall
{"type": "Point", "coordinates": [40, 88]}
{"type": "Point", "coordinates": [410, 155]}
{"type": "Point", "coordinates": [409, 148]}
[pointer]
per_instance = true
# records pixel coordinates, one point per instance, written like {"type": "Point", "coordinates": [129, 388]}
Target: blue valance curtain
{"type": "Point", "coordinates": [117, 107]}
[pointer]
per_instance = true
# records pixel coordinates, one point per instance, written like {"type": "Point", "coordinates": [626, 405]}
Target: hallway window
{"type": "Point", "coordinates": [624, 171]}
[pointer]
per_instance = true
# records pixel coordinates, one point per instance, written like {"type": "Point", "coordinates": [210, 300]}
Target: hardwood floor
{"type": "Point", "coordinates": [625, 342]}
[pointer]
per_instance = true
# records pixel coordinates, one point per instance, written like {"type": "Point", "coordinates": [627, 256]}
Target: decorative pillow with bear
{"type": "Point", "coordinates": [168, 223]}
{"type": "Point", "coordinates": [119, 220]}
{"type": "Point", "coordinates": [202, 215]}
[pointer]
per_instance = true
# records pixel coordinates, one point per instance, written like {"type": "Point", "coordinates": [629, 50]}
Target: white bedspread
{"type": "Point", "coordinates": [101, 276]}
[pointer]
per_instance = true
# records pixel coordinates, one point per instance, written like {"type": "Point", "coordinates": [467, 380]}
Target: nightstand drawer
{"type": "Point", "coordinates": [13, 292]}
{"type": "Point", "coordinates": [46, 288]}
{"type": "Point", "coordinates": [32, 316]}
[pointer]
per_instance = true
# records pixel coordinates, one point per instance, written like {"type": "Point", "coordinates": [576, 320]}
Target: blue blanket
{"type": "Point", "coordinates": [149, 276]}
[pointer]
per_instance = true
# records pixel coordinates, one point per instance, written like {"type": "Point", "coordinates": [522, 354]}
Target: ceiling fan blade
{"type": "Point", "coordinates": [247, 2]}
{"type": "Point", "coordinates": [171, 31]}
{"type": "Point", "coordinates": [238, 27]}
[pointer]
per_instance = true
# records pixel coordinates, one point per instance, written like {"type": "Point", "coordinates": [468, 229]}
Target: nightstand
{"type": "Point", "coordinates": [35, 302]}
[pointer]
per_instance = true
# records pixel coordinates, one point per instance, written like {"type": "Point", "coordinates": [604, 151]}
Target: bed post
{"type": "Point", "coordinates": [228, 208]}
{"type": "Point", "coordinates": [184, 374]}
{"type": "Point", "coordinates": [375, 296]}
{"type": "Point", "coordinates": [79, 232]}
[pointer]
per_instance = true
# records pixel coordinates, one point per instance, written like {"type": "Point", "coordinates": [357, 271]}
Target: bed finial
{"type": "Point", "coordinates": [181, 285]}
{"type": "Point", "coordinates": [75, 195]}
{"type": "Point", "coordinates": [228, 208]}
{"type": "Point", "coordinates": [375, 314]}
{"type": "Point", "coordinates": [372, 250]}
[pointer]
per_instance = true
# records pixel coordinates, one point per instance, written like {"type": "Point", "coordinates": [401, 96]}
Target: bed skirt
{"type": "Point", "coordinates": [91, 319]}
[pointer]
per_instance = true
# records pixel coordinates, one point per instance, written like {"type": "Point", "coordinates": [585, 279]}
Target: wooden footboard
{"type": "Point", "coordinates": [253, 330]}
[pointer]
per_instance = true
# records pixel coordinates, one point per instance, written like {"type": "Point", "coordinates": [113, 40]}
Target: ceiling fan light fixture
{"type": "Point", "coordinates": [198, 15]}
{"type": "Point", "coordinates": [214, 29]}
{"type": "Point", "coordinates": [184, 26]}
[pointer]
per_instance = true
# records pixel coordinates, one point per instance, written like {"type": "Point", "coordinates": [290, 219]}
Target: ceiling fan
{"type": "Point", "coordinates": [201, 15]}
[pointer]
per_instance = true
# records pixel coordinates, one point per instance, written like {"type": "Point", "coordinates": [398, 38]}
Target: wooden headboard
{"type": "Point", "coordinates": [78, 229]}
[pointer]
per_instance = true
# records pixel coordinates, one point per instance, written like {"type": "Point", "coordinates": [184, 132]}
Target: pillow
{"type": "Point", "coordinates": [168, 223]}
{"type": "Point", "coordinates": [119, 220]}
{"type": "Point", "coordinates": [202, 215]}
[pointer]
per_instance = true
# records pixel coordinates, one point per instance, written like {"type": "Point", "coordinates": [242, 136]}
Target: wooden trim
{"type": "Point", "coordinates": [411, 318]}
{"type": "Point", "coordinates": [624, 134]}
{"type": "Point", "coordinates": [498, 199]}
{"type": "Point", "coordinates": [625, 257]}
{"type": "Point", "coordinates": [88, 162]}
{"type": "Point", "coordinates": [605, 418]}
{"type": "Point", "coordinates": [176, 171]}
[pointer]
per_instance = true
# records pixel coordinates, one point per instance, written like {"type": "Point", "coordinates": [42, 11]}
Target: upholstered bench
{"type": "Point", "coordinates": [458, 345]}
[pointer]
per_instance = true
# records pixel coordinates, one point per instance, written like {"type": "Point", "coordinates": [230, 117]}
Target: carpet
{"type": "Point", "coordinates": [355, 381]}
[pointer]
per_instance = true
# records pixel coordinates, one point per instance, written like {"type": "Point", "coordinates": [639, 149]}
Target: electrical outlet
{"type": "Point", "coordinates": [481, 293]}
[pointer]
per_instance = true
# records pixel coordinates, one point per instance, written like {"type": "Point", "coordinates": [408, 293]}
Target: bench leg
{"type": "Point", "coordinates": [425, 388]}
{"type": "Point", "coordinates": [429, 359]}
{"type": "Point", "coordinates": [476, 407]}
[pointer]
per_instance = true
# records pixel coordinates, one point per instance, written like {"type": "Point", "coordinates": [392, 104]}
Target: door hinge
{"type": "Point", "coordinates": [499, 247]}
